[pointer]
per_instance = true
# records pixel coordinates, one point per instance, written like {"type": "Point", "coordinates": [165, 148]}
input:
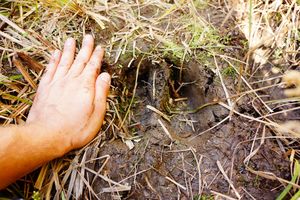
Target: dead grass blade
{"type": "Point", "coordinates": [24, 72]}
{"type": "Point", "coordinates": [37, 67]}
{"type": "Point", "coordinates": [228, 180]}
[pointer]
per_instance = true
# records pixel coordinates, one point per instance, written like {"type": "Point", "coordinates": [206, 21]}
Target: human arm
{"type": "Point", "coordinates": [67, 112]}
{"type": "Point", "coordinates": [24, 148]}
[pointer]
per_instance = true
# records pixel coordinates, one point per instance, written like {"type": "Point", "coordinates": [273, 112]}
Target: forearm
{"type": "Point", "coordinates": [67, 112]}
{"type": "Point", "coordinates": [22, 150]}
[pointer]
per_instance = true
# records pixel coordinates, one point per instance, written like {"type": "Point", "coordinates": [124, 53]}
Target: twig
{"type": "Point", "coordinates": [228, 180]}
{"type": "Point", "coordinates": [165, 130]}
{"type": "Point", "coordinates": [176, 183]}
{"type": "Point", "coordinates": [158, 112]}
{"type": "Point", "coordinates": [222, 83]}
{"type": "Point", "coordinates": [133, 93]}
{"type": "Point", "coordinates": [222, 195]}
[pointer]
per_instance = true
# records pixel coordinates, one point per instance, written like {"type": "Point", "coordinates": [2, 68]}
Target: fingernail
{"type": "Point", "coordinates": [56, 54]}
{"type": "Point", "coordinates": [105, 77]}
{"type": "Point", "coordinates": [87, 38]}
{"type": "Point", "coordinates": [98, 48]}
{"type": "Point", "coordinates": [69, 41]}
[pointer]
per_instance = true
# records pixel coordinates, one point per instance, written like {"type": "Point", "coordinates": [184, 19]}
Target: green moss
{"type": "Point", "coordinates": [245, 43]}
{"type": "Point", "coordinates": [173, 49]}
{"type": "Point", "coordinates": [202, 36]}
{"type": "Point", "coordinates": [201, 4]}
{"type": "Point", "coordinates": [203, 197]}
{"type": "Point", "coordinates": [203, 41]}
{"type": "Point", "coordinates": [229, 71]}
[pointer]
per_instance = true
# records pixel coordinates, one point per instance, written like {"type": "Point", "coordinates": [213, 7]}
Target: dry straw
{"type": "Point", "coordinates": [153, 30]}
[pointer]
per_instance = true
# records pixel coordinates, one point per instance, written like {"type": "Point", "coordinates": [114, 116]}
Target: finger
{"type": "Point", "coordinates": [83, 56]}
{"type": "Point", "coordinates": [93, 67]}
{"type": "Point", "coordinates": [102, 89]}
{"type": "Point", "coordinates": [67, 58]}
{"type": "Point", "coordinates": [97, 117]}
{"type": "Point", "coordinates": [51, 67]}
{"type": "Point", "coordinates": [45, 80]}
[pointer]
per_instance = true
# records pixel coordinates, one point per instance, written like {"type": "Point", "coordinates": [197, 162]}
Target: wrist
{"type": "Point", "coordinates": [50, 144]}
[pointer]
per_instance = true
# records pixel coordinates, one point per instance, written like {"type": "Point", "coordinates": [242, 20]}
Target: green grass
{"type": "Point", "coordinates": [229, 71]}
{"type": "Point", "coordinates": [203, 43]}
{"type": "Point", "coordinates": [202, 36]}
{"type": "Point", "coordinates": [201, 4]}
{"type": "Point", "coordinates": [296, 175]}
{"type": "Point", "coordinates": [172, 49]}
{"type": "Point", "coordinates": [203, 197]}
{"type": "Point", "coordinates": [36, 195]}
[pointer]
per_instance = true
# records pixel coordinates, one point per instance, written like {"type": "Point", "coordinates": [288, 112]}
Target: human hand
{"type": "Point", "coordinates": [70, 103]}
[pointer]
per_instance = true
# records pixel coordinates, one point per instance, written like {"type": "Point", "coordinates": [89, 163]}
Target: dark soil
{"type": "Point", "coordinates": [190, 157]}
{"type": "Point", "coordinates": [156, 157]}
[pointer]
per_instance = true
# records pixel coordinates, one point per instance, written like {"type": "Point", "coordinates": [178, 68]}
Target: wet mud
{"type": "Point", "coordinates": [184, 164]}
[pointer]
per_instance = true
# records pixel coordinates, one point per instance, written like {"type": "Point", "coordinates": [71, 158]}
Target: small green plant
{"type": "Point", "coordinates": [278, 17]}
{"type": "Point", "coordinates": [36, 195]}
{"type": "Point", "coordinates": [245, 43]}
{"type": "Point", "coordinates": [203, 197]}
{"type": "Point", "coordinates": [175, 50]}
{"type": "Point", "coordinates": [229, 71]}
{"type": "Point", "coordinates": [196, 197]}
{"type": "Point", "coordinates": [4, 13]}
{"type": "Point", "coordinates": [63, 197]}
{"type": "Point", "coordinates": [226, 40]}
{"type": "Point", "coordinates": [257, 181]}
{"type": "Point", "coordinates": [201, 4]}
{"type": "Point", "coordinates": [202, 36]}
{"type": "Point", "coordinates": [278, 53]}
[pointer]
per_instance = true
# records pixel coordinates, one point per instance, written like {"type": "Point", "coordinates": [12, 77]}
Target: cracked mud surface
{"type": "Point", "coordinates": [156, 159]}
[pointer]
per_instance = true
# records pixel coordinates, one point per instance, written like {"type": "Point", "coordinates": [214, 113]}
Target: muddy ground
{"type": "Point", "coordinates": [189, 157]}
{"type": "Point", "coordinates": [156, 156]}
{"type": "Point", "coordinates": [183, 164]}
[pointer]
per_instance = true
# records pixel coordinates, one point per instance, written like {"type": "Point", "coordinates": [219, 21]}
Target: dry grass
{"type": "Point", "coordinates": [127, 31]}
{"type": "Point", "coordinates": [272, 31]}
{"type": "Point", "coordinates": [132, 32]}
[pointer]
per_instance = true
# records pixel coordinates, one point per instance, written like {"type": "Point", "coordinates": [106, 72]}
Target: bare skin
{"type": "Point", "coordinates": [66, 114]}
